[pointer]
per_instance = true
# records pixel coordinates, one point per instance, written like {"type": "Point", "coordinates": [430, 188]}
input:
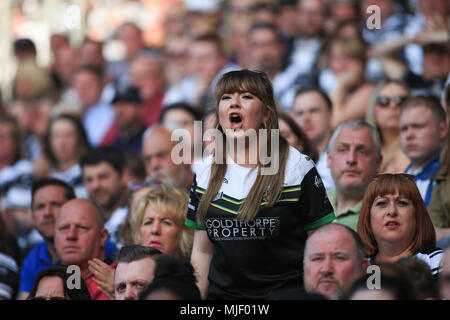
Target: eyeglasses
{"type": "Point", "coordinates": [48, 298]}
{"type": "Point", "coordinates": [384, 101]}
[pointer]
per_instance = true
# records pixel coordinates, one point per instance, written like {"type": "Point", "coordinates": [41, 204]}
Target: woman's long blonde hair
{"type": "Point", "coordinates": [172, 203]}
{"type": "Point", "coordinates": [258, 84]}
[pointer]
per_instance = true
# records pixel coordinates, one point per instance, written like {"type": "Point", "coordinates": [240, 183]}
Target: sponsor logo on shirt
{"type": "Point", "coordinates": [318, 181]}
{"type": "Point", "coordinates": [232, 229]}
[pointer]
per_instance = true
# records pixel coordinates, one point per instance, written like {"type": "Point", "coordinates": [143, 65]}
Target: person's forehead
{"type": "Point", "coordinates": [153, 213]}
{"type": "Point", "coordinates": [262, 33]}
{"type": "Point", "coordinates": [331, 241]}
{"type": "Point", "coordinates": [77, 212]}
{"type": "Point", "coordinates": [85, 75]}
{"type": "Point", "coordinates": [50, 283]}
{"type": "Point", "coordinates": [63, 124]}
{"type": "Point", "coordinates": [144, 66]}
{"type": "Point", "coordinates": [140, 268]}
{"type": "Point", "coordinates": [361, 136]}
{"type": "Point", "coordinates": [204, 47]}
{"type": "Point", "coordinates": [49, 192]}
{"type": "Point", "coordinates": [308, 100]}
{"type": "Point", "coordinates": [157, 141]}
{"type": "Point", "coordinates": [179, 114]}
{"type": "Point", "coordinates": [392, 87]}
{"type": "Point", "coordinates": [410, 114]}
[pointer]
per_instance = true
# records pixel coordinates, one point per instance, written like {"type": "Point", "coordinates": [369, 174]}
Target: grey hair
{"type": "Point", "coordinates": [356, 125]}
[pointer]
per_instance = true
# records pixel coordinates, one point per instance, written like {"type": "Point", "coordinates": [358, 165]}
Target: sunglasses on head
{"type": "Point", "coordinates": [384, 101]}
{"type": "Point", "coordinates": [49, 298]}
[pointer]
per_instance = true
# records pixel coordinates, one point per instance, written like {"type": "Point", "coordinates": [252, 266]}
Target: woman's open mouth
{"type": "Point", "coordinates": [235, 121]}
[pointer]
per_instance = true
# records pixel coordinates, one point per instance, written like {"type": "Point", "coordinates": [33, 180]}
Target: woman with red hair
{"type": "Point", "coordinates": [394, 222]}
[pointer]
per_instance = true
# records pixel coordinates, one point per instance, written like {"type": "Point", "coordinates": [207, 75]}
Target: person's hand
{"type": "Point", "coordinates": [104, 277]}
{"type": "Point", "coordinates": [41, 166]}
{"type": "Point", "coordinates": [428, 37]}
{"type": "Point", "coordinates": [347, 79]}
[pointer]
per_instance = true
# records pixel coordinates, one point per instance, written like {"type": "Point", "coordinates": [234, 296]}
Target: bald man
{"type": "Point", "coordinates": [334, 254]}
{"type": "Point", "coordinates": [156, 151]}
{"type": "Point", "coordinates": [79, 237]}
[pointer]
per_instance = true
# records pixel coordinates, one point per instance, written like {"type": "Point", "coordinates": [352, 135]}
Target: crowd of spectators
{"type": "Point", "coordinates": [87, 176]}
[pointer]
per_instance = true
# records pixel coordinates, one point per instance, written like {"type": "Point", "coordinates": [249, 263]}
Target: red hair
{"type": "Point", "coordinates": [389, 184]}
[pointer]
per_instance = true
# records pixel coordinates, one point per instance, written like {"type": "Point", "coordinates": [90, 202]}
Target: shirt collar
{"type": "Point", "coordinates": [332, 196]}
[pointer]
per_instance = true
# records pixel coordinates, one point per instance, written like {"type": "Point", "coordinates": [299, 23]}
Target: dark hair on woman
{"type": "Point", "coordinates": [308, 148]}
{"type": "Point", "coordinates": [176, 276]}
{"type": "Point", "coordinates": [61, 272]}
{"type": "Point", "coordinates": [83, 143]}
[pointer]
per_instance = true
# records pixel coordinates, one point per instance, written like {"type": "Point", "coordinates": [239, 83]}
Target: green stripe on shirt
{"type": "Point", "coordinates": [318, 223]}
{"type": "Point", "coordinates": [194, 225]}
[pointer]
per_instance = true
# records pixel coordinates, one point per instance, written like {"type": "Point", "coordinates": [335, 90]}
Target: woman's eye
{"type": "Point", "coordinates": [225, 97]}
{"type": "Point", "coordinates": [148, 222]}
{"type": "Point", "coordinates": [247, 96]}
{"type": "Point", "coordinates": [380, 203]}
{"type": "Point", "coordinates": [167, 222]}
{"type": "Point", "coordinates": [403, 203]}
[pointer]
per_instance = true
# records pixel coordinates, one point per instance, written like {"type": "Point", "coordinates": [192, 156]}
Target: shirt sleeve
{"type": "Point", "coordinates": [9, 277]}
{"type": "Point", "coordinates": [314, 203]}
{"type": "Point", "coordinates": [195, 195]}
{"type": "Point", "coordinates": [28, 275]}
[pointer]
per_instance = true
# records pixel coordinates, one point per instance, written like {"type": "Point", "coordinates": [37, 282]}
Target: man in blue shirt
{"type": "Point", "coordinates": [47, 197]}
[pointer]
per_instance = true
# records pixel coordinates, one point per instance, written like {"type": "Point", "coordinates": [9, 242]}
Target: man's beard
{"type": "Point", "coordinates": [162, 176]}
{"type": "Point", "coordinates": [110, 202]}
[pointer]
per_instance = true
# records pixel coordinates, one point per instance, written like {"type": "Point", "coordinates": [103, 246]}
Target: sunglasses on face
{"type": "Point", "coordinates": [384, 101]}
{"type": "Point", "coordinates": [48, 298]}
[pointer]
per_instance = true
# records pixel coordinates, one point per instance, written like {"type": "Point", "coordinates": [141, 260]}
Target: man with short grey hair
{"type": "Point", "coordinates": [354, 158]}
